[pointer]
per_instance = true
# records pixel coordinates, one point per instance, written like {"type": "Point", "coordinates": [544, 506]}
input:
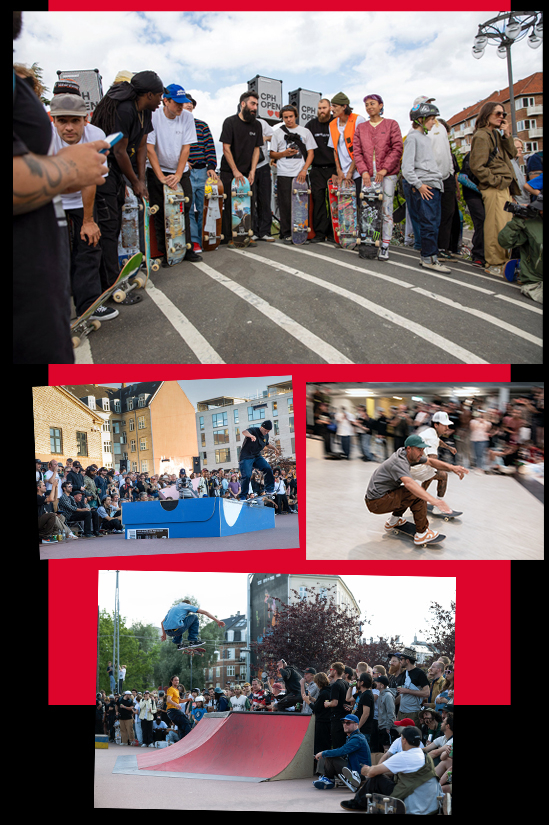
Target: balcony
{"type": "Point", "coordinates": [535, 134]}
{"type": "Point", "coordinates": [531, 111]}
{"type": "Point", "coordinates": [468, 130]}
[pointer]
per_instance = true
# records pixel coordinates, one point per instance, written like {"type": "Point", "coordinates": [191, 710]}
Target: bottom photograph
{"type": "Point", "coordinates": [256, 692]}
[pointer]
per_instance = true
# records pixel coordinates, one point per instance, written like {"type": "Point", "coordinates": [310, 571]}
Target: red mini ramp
{"type": "Point", "coordinates": [231, 746]}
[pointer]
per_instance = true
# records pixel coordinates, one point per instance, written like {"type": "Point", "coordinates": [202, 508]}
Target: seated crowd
{"type": "Point", "coordinates": [73, 499]}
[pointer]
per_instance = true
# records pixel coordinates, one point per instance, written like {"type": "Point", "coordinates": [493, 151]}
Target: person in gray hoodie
{"type": "Point", "coordinates": [423, 183]}
{"type": "Point", "coordinates": [385, 710]}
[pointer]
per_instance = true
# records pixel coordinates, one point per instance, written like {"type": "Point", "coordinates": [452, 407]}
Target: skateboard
{"type": "Point", "coordinates": [128, 241]}
{"type": "Point", "coordinates": [194, 651]}
{"type": "Point", "coordinates": [300, 211]}
{"type": "Point", "coordinates": [409, 530]}
{"type": "Point", "coordinates": [258, 501]}
{"type": "Point", "coordinates": [174, 224]}
{"type": "Point", "coordinates": [377, 803]}
{"type": "Point", "coordinates": [371, 200]}
{"type": "Point", "coordinates": [127, 281]}
{"type": "Point", "coordinates": [332, 197]}
{"type": "Point", "coordinates": [213, 209]}
{"type": "Point", "coordinates": [346, 212]}
{"type": "Point", "coordinates": [445, 516]}
{"type": "Point", "coordinates": [511, 270]}
{"type": "Point", "coordinates": [241, 213]}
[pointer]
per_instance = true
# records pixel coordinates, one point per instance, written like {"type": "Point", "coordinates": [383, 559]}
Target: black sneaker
{"type": "Point", "coordinates": [196, 643]}
{"type": "Point", "coordinates": [351, 805]}
{"type": "Point", "coordinates": [103, 313]}
{"type": "Point", "coordinates": [317, 239]}
{"type": "Point", "coordinates": [192, 256]}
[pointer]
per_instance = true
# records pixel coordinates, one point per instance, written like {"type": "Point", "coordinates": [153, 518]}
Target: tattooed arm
{"type": "Point", "coordinates": [37, 179]}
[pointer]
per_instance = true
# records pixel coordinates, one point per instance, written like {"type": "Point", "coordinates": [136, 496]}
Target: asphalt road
{"type": "Point", "coordinates": [320, 304]}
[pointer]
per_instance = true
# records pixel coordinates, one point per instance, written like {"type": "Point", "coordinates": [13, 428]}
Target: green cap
{"type": "Point", "coordinates": [414, 441]}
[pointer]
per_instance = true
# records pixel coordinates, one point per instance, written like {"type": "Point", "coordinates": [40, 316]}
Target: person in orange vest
{"type": "Point", "coordinates": [342, 132]}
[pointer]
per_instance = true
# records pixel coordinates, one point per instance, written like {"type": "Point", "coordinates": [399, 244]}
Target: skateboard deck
{"type": "Point", "coordinates": [241, 213]}
{"type": "Point", "coordinates": [445, 516]}
{"type": "Point", "coordinates": [380, 804]}
{"type": "Point", "coordinates": [174, 224]}
{"type": "Point", "coordinates": [194, 651]}
{"type": "Point", "coordinates": [129, 279]}
{"type": "Point", "coordinates": [409, 530]}
{"type": "Point", "coordinates": [213, 210]}
{"type": "Point", "coordinates": [300, 211]}
{"type": "Point", "coordinates": [258, 501]}
{"type": "Point", "coordinates": [332, 197]}
{"type": "Point", "coordinates": [134, 210]}
{"type": "Point", "coordinates": [511, 270]}
{"type": "Point", "coordinates": [346, 213]}
{"type": "Point", "coordinates": [371, 202]}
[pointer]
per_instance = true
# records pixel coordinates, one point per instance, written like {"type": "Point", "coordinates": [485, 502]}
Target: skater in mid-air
{"type": "Point", "coordinates": [256, 440]}
{"type": "Point", "coordinates": [182, 617]}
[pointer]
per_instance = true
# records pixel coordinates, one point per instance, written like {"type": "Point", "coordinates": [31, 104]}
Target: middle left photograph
{"type": "Point", "coordinates": [204, 465]}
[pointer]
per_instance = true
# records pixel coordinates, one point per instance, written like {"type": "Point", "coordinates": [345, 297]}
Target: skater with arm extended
{"type": "Point", "coordinates": [182, 617]}
{"type": "Point", "coordinates": [256, 440]}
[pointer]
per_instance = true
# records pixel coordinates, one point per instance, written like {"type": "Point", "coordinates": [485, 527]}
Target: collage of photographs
{"type": "Point", "coordinates": [280, 303]}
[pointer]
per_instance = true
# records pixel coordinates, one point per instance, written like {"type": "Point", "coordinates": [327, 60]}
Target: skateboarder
{"type": "Point", "coordinates": [292, 147]}
{"type": "Point", "coordinates": [392, 489]}
{"type": "Point", "coordinates": [377, 150]}
{"type": "Point", "coordinates": [263, 216]}
{"type": "Point", "coordinates": [168, 147]}
{"type": "Point", "coordinates": [424, 474]}
{"type": "Point", "coordinates": [203, 162]}
{"type": "Point", "coordinates": [342, 132]}
{"type": "Point", "coordinates": [322, 169]}
{"type": "Point", "coordinates": [182, 617]}
{"type": "Point", "coordinates": [242, 138]}
{"type": "Point", "coordinates": [256, 439]}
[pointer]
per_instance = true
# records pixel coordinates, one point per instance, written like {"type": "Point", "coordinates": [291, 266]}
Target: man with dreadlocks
{"type": "Point", "coordinates": [127, 107]}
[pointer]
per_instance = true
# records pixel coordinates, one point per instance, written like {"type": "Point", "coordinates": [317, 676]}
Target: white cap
{"type": "Point", "coordinates": [442, 418]}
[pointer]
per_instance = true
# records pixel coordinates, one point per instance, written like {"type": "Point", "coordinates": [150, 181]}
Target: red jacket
{"type": "Point", "coordinates": [385, 139]}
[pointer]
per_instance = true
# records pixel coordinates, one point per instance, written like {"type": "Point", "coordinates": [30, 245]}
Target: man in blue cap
{"type": "Point", "coordinates": [392, 488]}
{"type": "Point", "coordinates": [168, 148]}
{"type": "Point", "coordinates": [351, 756]}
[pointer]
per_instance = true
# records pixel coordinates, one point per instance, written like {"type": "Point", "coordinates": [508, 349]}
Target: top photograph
{"type": "Point", "coordinates": [383, 206]}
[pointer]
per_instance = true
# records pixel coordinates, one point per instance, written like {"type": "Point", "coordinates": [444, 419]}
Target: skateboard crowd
{"type": "Point", "coordinates": [371, 723]}
{"type": "Point", "coordinates": [64, 186]}
{"type": "Point", "coordinates": [74, 501]}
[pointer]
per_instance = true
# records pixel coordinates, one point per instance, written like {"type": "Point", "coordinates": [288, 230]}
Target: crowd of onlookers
{"type": "Point", "coordinates": [364, 715]}
{"type": "Point", "coordinates": [484, 436]}
{"type": "Point", "coordinates": [72, 498]}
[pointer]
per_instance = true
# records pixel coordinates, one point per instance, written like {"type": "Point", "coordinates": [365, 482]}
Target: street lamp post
{"type": "Point", "coordinates": [504, 30]}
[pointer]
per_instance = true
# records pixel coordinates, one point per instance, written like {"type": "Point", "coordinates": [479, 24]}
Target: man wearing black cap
{"type": "Point", "coordinates": [256, 439]}
{"type": "Point", "coordinates": [401, 775]}
{"type": "Point", "coordinates": [392, 488]}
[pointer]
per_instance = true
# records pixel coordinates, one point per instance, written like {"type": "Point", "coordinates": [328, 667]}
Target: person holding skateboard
{"type": "Point", "coordinates": [292, 147]}
{"type": "Point", "coordinates": [322, 169]}
{"type": "Point", "coordinates": [242, 138]}
{"type": "Point", "coordinates": [203, 162]}
{"type": "Point", "coordinates": [168, 147]}
{"type": "Point", "coordinates": [182, 617]}
{"type": "Point", "coordinates": [342, 133]}
{"type": "Point", "coordinates": [392, 489]}
{"type": "Point", "coordinates": [256, 440]}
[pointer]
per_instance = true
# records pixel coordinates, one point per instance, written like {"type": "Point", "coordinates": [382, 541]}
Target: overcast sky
{"type": "Point", "coordinates": [398, 55]}
{"type": "Point", "coordinates": [395, 605]}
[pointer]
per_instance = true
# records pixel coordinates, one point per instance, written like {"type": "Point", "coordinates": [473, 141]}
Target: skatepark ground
{"type": "Point", "coordinates": [502, 515]}
{"type": "Point", "coordinates": [285, 535]}
{"type": "Point", "coordinates": [169, 793]}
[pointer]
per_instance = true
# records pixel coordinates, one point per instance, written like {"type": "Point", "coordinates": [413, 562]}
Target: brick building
{"type": "Point", "coordinates": [528, 109]}
{"type": "Point", "coordinates": [64, 427]}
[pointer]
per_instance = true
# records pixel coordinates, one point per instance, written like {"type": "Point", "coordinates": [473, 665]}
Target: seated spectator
{"type": "Point", "coordinates": [430, 723]}
{"type": "Point", "coordinates": [436, 747]}
{"type": "Point", "coordinates": [352, 755]}
{"type": "Point", "coordinates": [446, 695]}
{"type": "Point", "coordinates": [71, 506]}
{"type": "Point", "coordinates": [159, 729]}
{"type": "Point", "coordinates": [108, 521]}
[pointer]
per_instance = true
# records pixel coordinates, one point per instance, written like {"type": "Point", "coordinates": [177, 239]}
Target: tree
{"type": "Point", "coordinates": [139, 660]}
{"type": "Point", "coordinates": [441, 635]}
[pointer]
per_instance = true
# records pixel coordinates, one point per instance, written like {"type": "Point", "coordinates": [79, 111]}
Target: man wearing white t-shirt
{"type": "Point", "coordinates": [292, 147]}
{"type": "Point", "coordinates": [69, 127]}
{"type": "Point", "coordinates": [344, 123]}
{"type": "Point", "coordinates": [425, 473]}
{"type": "Point", "coordinates": [168, 147]}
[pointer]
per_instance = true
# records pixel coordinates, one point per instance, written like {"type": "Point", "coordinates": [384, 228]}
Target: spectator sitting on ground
{"type": "Point", "coordinates": [430, 724]}
{"type": "Point", "coordinates": [436, 747]}
{"type": "Point", "coordinates": [159, 729]}
{"type": "Point", "coordinates": [106, 513]}
{"type": "Point", "coordinates": [446, 695]}
{"type": "Point", "coordinates": [278, 694]}
{"type": "Point", "coordinates": [352, 755]}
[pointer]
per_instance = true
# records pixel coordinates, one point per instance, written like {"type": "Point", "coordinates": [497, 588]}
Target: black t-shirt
{"type": "Point", "coordinates": [251, 449]}
{"type": "Point", "coordinates": [366, 700]}
{"type": "Point", "coordinates": [291, 677]}
{"type": "Point", "coordinates": [321, 132]}
{"type": "Point", "coordinates": [41, 265]}
{"type": "Point", "coordinates": [128, 121]}
{"type": "Point", "coordinates": [338, 690]}
{"type": "Point", "coordinates": [318, 708]}
{"type": "Point", "coordinates": [43, 505]}
{"type": "Point", "coordinates": [243, 138]}
{"type": "Point", "coordinates": [381, 425]}
{"type": "Point", "coordinates": [126, 708]}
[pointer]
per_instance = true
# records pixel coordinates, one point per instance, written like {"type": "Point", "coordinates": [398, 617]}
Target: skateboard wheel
{"type": "Point", "coordinates": [224, 196]}
{"type": "Point", "coordinates": [377, 243]}
{"type": "Point", "coordinates": [222, 237]}
{"type": "Point", "coordinates": [140, 281]}
{"type": "Point", "coordinates": [119, 295]}
{"type": "Point", "coordinates": [153, 210]}
{"type": "Point", "coordinates": [250, 193]}
{"type": "Point", "coordinates": [308, 191]}
{"type": "Point", "coordinates": [207, 238]}
{"type": "Point", "coordinates": [185, 200]}
{"type": "Point", "coordinates": [235, 234]}
{"type": "Point", "coordinates": [208, 195]}
{"type": "Point", "coordinates": [75, 341]}
{"type": "Point", "coordinates": [187, 246]}
{"type": "Point", "coordinates": [250, 232]}
{"type": "Point", "coordinates": [380, 197]}
{"type": "Point", "coordinates": [361, 196]}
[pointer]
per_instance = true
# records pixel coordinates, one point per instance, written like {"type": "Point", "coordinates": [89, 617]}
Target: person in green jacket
{"type": "Point", "coordinates": [526, 233]}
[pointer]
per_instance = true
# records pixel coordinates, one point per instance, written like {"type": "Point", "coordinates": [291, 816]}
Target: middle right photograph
{"type": "Point", "coordinates": [424, 471]}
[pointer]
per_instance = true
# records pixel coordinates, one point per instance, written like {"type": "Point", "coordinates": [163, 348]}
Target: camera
{"type": "Point", "coordinates": [531, 210]}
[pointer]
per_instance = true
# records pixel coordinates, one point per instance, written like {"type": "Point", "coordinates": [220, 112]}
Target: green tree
{"type": "Point", "coordinates": [441, 636]}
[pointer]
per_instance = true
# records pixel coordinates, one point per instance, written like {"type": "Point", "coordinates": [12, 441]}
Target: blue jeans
{"type": "Point", "coordinates": [427, 214]}
{"type": "Point", "coordinates": [190, 623]}
{"type": "Point", "coordinates": [479, 448]}
{"type": "Point", "coordinates": [138, 731]}
{"type": "Point", "coordinates": [246, 466]}
{"type": "Point", "coordinates": [365, 445]}
{"type": "Point", "coordinates": [198, 182]}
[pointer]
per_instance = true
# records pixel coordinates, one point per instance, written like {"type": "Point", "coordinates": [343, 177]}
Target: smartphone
{"type": "Point", "coordinates": [112, 139]}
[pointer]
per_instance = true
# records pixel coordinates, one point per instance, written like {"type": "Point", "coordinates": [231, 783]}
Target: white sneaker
{"type": "Point", "coordinates": [383, 254]}
{"type": "Point", "coordinates": [432, 263]}
{"type": "Point", "coordinates": [494, 270]}
{"type": "Point", "coordinates": [267, 238]}
{"type": "Point", "coordinates": [394, 521]}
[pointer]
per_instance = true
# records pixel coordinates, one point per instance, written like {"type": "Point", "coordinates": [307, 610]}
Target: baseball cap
{"type": "Point", "coordinates": [414, 441]}
{"type": "Point", "coordinates": [350, 718]}
{"type": "Point", "coordinates": [177, 93]}
{"type": "Point", "coordinates": [68, 105]}
{"type": "Point", "coordinates": [404, 723]}
{"type": "Point", "coordinates": [442, 418]}
{"type": "Point", "coordinates": [383, 679]}
{"type": "Point", "coordinates": [412, 735]}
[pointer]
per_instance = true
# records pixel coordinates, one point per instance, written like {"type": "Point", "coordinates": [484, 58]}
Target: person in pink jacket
{"type": "Point", "coordinates": [377, 151]}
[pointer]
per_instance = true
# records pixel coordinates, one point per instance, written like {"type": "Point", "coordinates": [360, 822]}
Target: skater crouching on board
{"type": "Point", "coordinates": [392, 488]}
{"type": "Point", "coordinates": [256, 440]}
{"type": "Point", "coordinates": [182, 617]}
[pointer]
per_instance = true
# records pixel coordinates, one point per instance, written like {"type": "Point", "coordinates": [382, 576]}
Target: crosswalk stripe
{"type": "Point", "coordinates": [192, 337]}
{"type": "Point", "coordinates": [328, 353]}
{"type": "Point", "coordinates": [411, 326]}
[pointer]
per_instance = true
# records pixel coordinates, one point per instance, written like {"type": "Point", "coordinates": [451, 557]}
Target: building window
{"type": "Point", "coordinates": [303, 593]}
{"type": "Point", "coordinates": [221, 436]}
{"type": "Point", "coordinates": [276, 428]}
{"type": "Point", "coordinates": [107, 447]}
{"type": "Point", "coordinates": [81, 444]}
{"type": "Point", "coordinates": [56, 441]}
{"type": "Point", "coordinates": [201, 419]}
{"type": "Point", "coordinates": [237, 433]}
{"type": "Point", "coordinates": [527, 101]}
{"type": "Point", "coordinates": [116, 405]}
{"type": "Point", "coordinates": [141, 402]}
{"type": "Point", "coordinates": [132, 425]}
{"type": "Point", "coordinates": [219, 420]}
{"type": "Point", "coordinates": [238, 453]}
{"type": "Point", "coordinates": [293, 446]}
{"type": "Point", "coordinates": [203, 439]}
{"type": "Point", "coordinates": [132, 445]}
{"type": "Point", "coordinates": [222, 456]}
{"type": "Point", "coordinates": [230, 670]}
{"type": "Point", "coordinates": [204, 459]}
{"type": "Point", "coordinates": [144, 466]}
{"type": "Point", "coordinates": [275, 408]}
{"type": "Point", "coordinates": [235, 416]}
{"type": "Point", "coordinates": [291, 423]}
{"type": "Point", "coordinates": [143, 444]}
{"type": "Point", "coordinates": [130, 403]}
{"type": "Point", "coordinates": [256, 414]}
{"type": "Point", "coordinates": [290, 404]}
{"type": "Point", "coordinates": [141, 422]}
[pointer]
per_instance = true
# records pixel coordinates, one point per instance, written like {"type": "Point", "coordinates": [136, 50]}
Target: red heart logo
{"type": "Point", "coordinates": [270, 112]}
{"type": "Point", "coordinates": [277, 114]}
